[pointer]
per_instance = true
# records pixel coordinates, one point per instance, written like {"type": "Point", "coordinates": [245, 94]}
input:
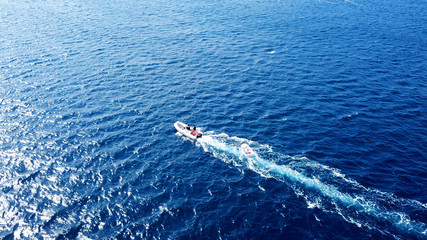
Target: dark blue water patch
{"type": "Point", "coordinates": [332, 90]}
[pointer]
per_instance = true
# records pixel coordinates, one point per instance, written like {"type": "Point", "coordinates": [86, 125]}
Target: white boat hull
{"type": "Point", "coordinates": [247, 151]}
{"type": "Point", "coordinates": [182, 128]}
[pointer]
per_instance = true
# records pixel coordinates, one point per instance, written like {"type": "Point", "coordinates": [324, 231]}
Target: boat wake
{"type": "Point", "coordinates": [323, 187]}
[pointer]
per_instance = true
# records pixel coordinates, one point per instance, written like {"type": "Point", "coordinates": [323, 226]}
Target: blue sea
{"type": "Point", "coordinates": [330, 94]}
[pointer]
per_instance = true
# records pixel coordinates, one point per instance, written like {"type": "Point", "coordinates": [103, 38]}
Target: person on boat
{"type": "Point", "coordinates": [194, 131]}
{"type": "Point", "coordinates": [187, 127]}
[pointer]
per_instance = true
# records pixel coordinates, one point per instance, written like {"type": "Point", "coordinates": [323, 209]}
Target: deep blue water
{"type": "Point", "coordinates": [331, 95]}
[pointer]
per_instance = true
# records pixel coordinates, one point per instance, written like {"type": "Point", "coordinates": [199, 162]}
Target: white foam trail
{"type": "Point", "coordinates": [227, 149]}
{"type": "Point", "coordinates": [398, 219]}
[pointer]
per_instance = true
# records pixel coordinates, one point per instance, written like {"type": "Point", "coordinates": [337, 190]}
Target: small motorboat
{"type": "Point", "coordinates": [187, 131]}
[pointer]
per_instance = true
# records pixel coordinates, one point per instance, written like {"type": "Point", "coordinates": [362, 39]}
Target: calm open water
{"type": "Point", "coordinates": [331, 94]}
